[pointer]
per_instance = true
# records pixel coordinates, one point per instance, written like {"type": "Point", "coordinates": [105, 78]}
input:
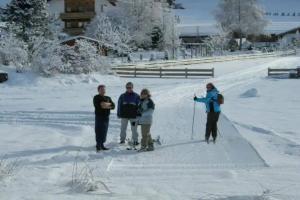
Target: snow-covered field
{"type": "Point", "coordinates": [47, 130]}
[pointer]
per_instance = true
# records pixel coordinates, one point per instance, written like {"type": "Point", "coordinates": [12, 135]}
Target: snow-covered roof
{"type": "Point", "coordinates": [201, 29]}
{"type": "Point", "coordinates": [78, 37]}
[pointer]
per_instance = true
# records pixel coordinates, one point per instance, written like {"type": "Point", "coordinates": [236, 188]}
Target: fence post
{"type": "Point", "coordinates": [268, 71]}
{"type": "Point", "coordinates": [135, 72]}
{"type": "Point", "coordinates": [160, 72]}
{"type": "Point", "coordinates": [213, 72]}
{"type": "Point", "coordinates": [186, 73]}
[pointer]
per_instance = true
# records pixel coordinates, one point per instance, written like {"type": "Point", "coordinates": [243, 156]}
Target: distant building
{"type": "Point", "coordinates": [71, 41]}
{"type": "Point", "coordinates": [78, 13]}
{"type": "Point", "coordinates": [291, 36]}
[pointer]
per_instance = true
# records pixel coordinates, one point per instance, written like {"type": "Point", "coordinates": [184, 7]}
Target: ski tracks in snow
{"type": "Point", "coordinates": [51, 118]}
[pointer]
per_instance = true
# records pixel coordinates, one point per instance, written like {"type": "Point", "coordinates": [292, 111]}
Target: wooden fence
{"type": "Point", "coordinates": [276, 72]}
{"type": "Point", "coordinates": [163, 73]}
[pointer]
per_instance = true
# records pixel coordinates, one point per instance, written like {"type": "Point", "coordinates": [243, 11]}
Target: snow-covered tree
{"type": "Point", "coordinates": [140, 17]}
{"type": "Point", "coordinates": [27, 18]}
{"type": "Point", "coordinates": [157, 37]}
{"type": "Point", "coordinates": [170, 40]}
{"type": "Point", "coordinates": [14, 51]}
{"type": "Point", "coordinates": [109, 35]}
{"type": "Point", "coordinates": [28, 21]}
{"type": "Point", "coordinates": [84, 57]}
{"type": "Point", "coordinates": [48, 57]}
{"type": "Point", "coordinates": [217, 43]}
{"type": "Point", "coordinates": [137, 17]}
{"type": "Point", "coordinates": [240, 17]}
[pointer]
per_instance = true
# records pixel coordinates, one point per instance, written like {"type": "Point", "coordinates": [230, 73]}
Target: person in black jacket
{"type": "Point", "coordinates": [103, 104]}
{"type": "Point", "coordinates": [127, 110]}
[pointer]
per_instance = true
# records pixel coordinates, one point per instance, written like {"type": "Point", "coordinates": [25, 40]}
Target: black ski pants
{"type": "Point", "coordinates": [211, 125]}
{"type": "Point", "coordinates": [101, 127]}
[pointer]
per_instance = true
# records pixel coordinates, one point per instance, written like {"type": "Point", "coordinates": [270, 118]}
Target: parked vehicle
{"type": "Point", "coordinates": [3, 76]}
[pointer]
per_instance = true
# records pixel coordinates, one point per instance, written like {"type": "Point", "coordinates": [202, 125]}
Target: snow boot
{"type": "Point", "coordinates": [142, 149]}
{"type": "Point", "coordinates": [150, 148]}
{"type": "Point", "coordinates": [207, 140]}
{"type": "Point", "coordinates": [104, 148]}
{"type": "Point", "coordinates": [122, 142]}
{"type": "Point", "coordinates": [214, 140]}
{"type": "Point", "coordinates": [98, 148]}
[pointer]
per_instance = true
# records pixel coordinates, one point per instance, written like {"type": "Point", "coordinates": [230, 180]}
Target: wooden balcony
{"type": "Point", "coordinates": [77, 16]}
{"type": "Point", "coordinates": [74, 31]}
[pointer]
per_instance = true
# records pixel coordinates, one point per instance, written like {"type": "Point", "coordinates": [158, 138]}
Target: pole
{"type": "Point", "coordinates": [219, 133]}
{"type": "Point", "coordinates": [192, 136]}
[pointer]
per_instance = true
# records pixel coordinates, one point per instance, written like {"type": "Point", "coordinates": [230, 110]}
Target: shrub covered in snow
{"type": "Point", "coordinates": [83, 57]}
{"type": "Point", "coordinates": [83, 179]}
{"type": "Point", "coordinates": [14, 51]}
{"type": "Point", "coordinates": [8, 168]}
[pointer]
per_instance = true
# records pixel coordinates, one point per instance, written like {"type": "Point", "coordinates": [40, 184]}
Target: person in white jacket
{"type": "Point", "coordinates": [145, 118]}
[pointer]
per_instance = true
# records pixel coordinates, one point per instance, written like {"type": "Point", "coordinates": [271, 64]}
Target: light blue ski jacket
{"type": "Point", "coordinates": [211, 97]}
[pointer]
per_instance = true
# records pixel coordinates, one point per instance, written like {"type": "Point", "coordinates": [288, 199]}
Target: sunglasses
{"type": "Point", "coordinates": [128, 87]}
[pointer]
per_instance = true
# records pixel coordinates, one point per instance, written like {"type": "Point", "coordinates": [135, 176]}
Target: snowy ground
{"type": "Point", "coordinates": [47, 127]}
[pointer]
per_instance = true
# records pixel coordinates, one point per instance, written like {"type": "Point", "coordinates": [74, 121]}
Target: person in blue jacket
{"type": "Point", "coordinates": [213, 111]}
{"type": "Point", "coordinates": [127, 110]}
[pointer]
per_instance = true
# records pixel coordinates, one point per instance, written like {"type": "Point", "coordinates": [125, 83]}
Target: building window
{"type": "Point", "coordinates": [81, 9]}
{"type": "Point", "coordinates": [69, 9]}
{"type": "Point", "coordinates": [68, 24]}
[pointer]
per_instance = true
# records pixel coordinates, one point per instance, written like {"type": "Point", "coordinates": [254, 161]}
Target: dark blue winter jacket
{"type": "Point", "coordinates": [211, 101]}
{"type": "Point", "coordinates": [128, 105]}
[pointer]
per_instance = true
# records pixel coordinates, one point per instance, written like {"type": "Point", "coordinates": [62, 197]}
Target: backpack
{"type": "Point", "coordinates": [220, 99]}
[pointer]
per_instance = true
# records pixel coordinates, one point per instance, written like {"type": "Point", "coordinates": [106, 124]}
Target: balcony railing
{"type": "Point", "coordinates": [74, 31]}
{"type": "Point", "coordinates": [77, 15]}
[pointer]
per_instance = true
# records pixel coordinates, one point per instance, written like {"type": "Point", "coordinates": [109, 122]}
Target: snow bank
{"type": "Point", "coordinates": [29, 78]}
{"type": "Point", "coordinates": [250, 93]}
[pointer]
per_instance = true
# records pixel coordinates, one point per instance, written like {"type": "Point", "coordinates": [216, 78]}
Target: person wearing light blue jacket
{"type": "Point", "coordinates": [213, 110]}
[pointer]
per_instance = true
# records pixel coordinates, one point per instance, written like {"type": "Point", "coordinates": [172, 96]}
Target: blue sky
{"type": "Point", "coordinates": [200, 11]}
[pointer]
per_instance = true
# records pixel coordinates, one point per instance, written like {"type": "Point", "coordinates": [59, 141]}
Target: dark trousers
{"type": "Point", "coordinates": [101, 127]}
{"type": "Point", "coordinates": [211, 125]}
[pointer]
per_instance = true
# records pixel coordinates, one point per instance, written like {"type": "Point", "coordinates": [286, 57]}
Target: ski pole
{"type": "Point", "coordinates": [192, 136]}
{"type": "Point", "coordinates": [219, 132]}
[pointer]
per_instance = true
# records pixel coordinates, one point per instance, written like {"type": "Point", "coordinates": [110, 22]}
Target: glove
{"type": "Point", "coordinates": [195, 98]}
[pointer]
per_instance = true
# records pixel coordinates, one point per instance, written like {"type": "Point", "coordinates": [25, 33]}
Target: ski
{"type": "Point", "coordinates": [131, 144]}
{"type": "Point", "coordinates": [131, 148]}
{"type": "Point", "coordinates": [157, 140]}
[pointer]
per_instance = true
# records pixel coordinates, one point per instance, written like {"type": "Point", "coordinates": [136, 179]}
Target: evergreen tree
{"type": "Point", "coordinates": [156, 36]}
{"type": "Point", "coordinates": [27, 18]}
